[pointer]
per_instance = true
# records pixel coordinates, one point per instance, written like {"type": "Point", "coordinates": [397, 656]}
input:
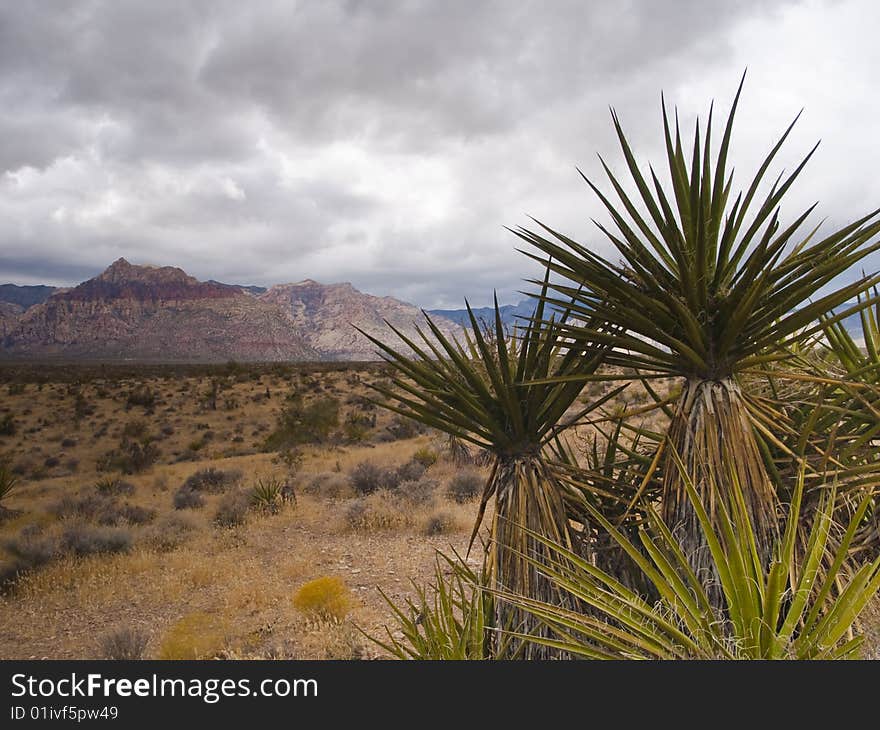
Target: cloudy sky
{"type": "Point", "coordinates": [389, 143]}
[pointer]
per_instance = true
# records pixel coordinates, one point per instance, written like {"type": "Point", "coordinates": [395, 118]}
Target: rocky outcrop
{"type": "Point", "coordinates": [9, 316]}
{"type": "Point", "coordinates": [325, 314]}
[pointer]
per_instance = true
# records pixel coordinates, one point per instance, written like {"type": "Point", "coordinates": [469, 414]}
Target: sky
{"type": "Point", "coordinates": [389, 144]}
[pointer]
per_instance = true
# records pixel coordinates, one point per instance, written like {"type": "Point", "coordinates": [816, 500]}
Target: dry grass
{"type": "Point", "coordinates": [187, 586]}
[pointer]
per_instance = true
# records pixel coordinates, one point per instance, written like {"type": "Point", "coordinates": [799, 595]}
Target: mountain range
{"type": "Point", "coordinates": [150, 313]}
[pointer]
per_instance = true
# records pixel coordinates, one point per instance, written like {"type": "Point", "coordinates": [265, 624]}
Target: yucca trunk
{"type": "Point", "coordinates": [711, 432]}
{"type": "Point", "coordinates": [527, 495]}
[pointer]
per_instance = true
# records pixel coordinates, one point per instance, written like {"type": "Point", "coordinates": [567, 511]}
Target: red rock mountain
{"type": "Point", "coordinates": [150, 313]}
{"type": "Point", "coordinates": [325, 313]}
{"type": "Point", "coordinates": [162, 314]}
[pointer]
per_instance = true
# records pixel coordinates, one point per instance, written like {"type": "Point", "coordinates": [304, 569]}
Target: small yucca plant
{"type": "Point", "coordinates": [267, 494]}
{"type": "Point", "coordinates": [8, 481]}
{"type": "Point", "coordinates": [447, 621]}
{"type": "Point", "coordinates": [802, 606]}
{"type": "Point", "coordinates": [706, 291]}
{"type": "Point", "coordinates": [508, 395]}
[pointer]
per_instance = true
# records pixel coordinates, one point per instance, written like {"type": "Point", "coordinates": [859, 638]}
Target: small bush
{"type": "Point", "coordinates": [32, 549]}
{"type": "Point", "coordinates": [134, 514]}
{"type": "Point", "coordinates": [137, 429]}
{"type": "Point", "coordinates": [411, 471]}
{"type": "Point", "coordinates": [131, 457]}
{"type": "Point", "coordinates": [194, 636]}
{"type": "Point", "coordinates": [420, 491]}
{"type": "Point", "coordinates": [68, 443]}
{"type": "Point", "coordinates": [88, 540]}
{"type": "Point", "coordinates": [426, 457]}
{"type": "Point", "coordinates": [439, 523]}
{"type": "Point", "coordinates": [126, 644]}
{"type": "Point", "coordinates": [357, 427]}
{"type": "Point", "coordinates": [188, 498]}
{"type": "Point", "coordinates": [329, 485]}
{"type": "Point", "coordinates": [367, 478]}
{"type": "Point", "coordinates": [141, 395]}
{"type": "Point", "coordinates": [90, 506]}
{"type": "Point", "coordinates": [377, 512]}
{"type": "Point", "coordinates": [169, 533]}
{"type": "Point", "coordinates": [302, 424]}
{"type": "Point", "coordinates": [465, 486]}
{"type": "Point", "coordinates": [212, 481]}
{"type": "Point", "coordinates": [327, 598]}
{"type": "Point", "coordinates": [7, 425]}
{"type": "Point", "coordinates": [114, 486]}
{"type": "Point", "coordinates": [232, 510]}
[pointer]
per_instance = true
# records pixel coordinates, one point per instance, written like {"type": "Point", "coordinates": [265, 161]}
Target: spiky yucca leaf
{"type": "Point", "coordinates": [792, 608]}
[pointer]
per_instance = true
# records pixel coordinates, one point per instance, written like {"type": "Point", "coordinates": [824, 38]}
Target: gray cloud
{"type": "Point", "coordinates": [386, 143]}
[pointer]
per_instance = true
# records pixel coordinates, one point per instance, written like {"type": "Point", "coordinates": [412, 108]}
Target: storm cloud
{"type": "Point", "coordinates": [389, 143]}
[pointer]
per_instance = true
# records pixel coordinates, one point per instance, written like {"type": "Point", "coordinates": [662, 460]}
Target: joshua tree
{"type": "Point", "coordinates": [707, 291]}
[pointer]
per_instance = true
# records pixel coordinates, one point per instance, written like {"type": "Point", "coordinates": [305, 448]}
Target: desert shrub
{"type": "Point", "coordinates": [439, 523]}
{"type": "Point", "coordinates": [89, 506]}
{"type": "Point", "coordinates": [411, 471]}
{"type": "Point", "coordinates": [126, 644]}
{"type": "Point", "coordinates": [137, 429]}
{"type": "Point", "coordinates": [378, 512]}
{"type": "Point", "coordinates": [68, 443]}
{"type": "Point", "coordinates": [403, 428]}
{"type": "Point", "coordinates": [187, 498]}
{"type": "Point", "coordinates": [194, 636]}
{"type": "Point", "coordinates": [16, 388]}
{"type": "Point", "coordinates": [419, 491]}
{"type": "Point", "coordinates": [32, 548]}
{"type": "Point", "coordinates": [212, 481]}
{"type": "Point", "coordinates": [134, 514]}
{"type": "Point", "coordinates": [7, 425]}
{"type": "Point", "coordinates": [328, 484]}
{"type": "Point", "coordinates": [114, 486]}
{"type": "Point", "coordinates": [81, 407]}
{"type": "Point", "coordinates": [141, 395]}
{"type": "Point", "coordinates": [232, 509]}
{"type": "Point", "coordinates": [84, 539]}
{"type": "Point", "coordinates": [367, 478]}
{"type": "Point", "coordinates": [327, 598]}
{"type": "Point", "coordinates": [425, 456]}
{"type": "Point", "coordinates": [357, 426]}
{"type": "Point", "coordinates": [51, 462]}
{"type": "Point", "coordinates": [167, 430]}
{"type": "Point", "coordinates": [301, 424]}
{"type": "Point", "coordinates": [169, 533]}
{"type": "Point", "coordinates": [465, 486]}
{"type": "Point", "coordinates": [131, 457]}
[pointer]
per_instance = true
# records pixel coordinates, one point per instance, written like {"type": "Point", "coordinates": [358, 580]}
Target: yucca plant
{"type": "Point", "coordinates": [800, 606]}
{"type": "Point", "coordinates": [707, 291]}
{"type": "Point", "coordinates": [8, 482]}
{"type": "Point", "coordinates": [267, 494]}
{"type": "Point", "coordinates": [485, 392]}
{"type": "Point", "coordinates": [448, 620]}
